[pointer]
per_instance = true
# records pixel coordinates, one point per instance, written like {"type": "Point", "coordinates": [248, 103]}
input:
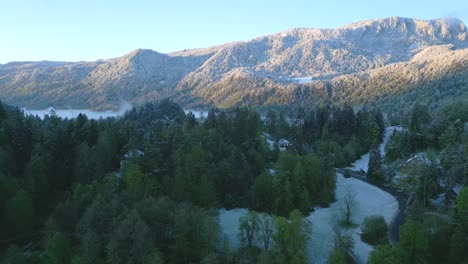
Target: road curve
{"type": "Point", "coordinates": [402, 199]}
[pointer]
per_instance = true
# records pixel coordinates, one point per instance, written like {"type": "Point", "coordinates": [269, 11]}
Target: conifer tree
{"type": "Point", "coordinates": [374, 170]}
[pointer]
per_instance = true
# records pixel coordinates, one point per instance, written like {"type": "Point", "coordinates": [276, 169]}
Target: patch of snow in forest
{"type": "Point", "coordinates": [438, 201]}
{"type": "Point", "coordinates": [267, 137]}
{"type": "Point", "coordinates": [363, 162]}
{"type": "Point", "coordinates": [271, 144]}
{"type": "Point", "coordinates": [457, 189]}
{"type": "Point", "coordinates": [388, 133]}
{"type": "Point", "coordinates": [197, 114]}
{"type": "Point", "coordinates": [368, 200]}
{"type": "Point", "coordinates": [302, 80]}
{"type": "Point", "coordinates": [229, 223]}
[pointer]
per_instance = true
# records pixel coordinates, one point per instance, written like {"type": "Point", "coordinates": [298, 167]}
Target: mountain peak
{"type": "Point", "coordinates": [413, 30]}
{"type": "Point", "coordinates": [263, 69]}
{"type": "Point", "coordinates": [396, 22]}
{"type": "Point", "coordinates": [143, 53]}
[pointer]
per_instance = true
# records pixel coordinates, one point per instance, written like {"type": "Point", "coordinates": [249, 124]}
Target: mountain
{"type": "Point", "coordinates": [390, 61]}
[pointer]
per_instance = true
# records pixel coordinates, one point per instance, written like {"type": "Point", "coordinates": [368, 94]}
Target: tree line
{"type": "Point", "coordinates": [145, 187]}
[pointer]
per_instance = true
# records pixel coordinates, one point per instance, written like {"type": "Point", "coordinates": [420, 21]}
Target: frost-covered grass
{"type": "Point", "coordinates": [369, 200]}
{"type": "Point", "coordinates": [361, 164]}
{"type": "Point", "coordinates": [229, 223]}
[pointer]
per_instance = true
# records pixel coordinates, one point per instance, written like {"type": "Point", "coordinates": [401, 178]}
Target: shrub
{"type": "Point", "coordinates": [337, 257]}
{"type": "Point", "coordinates": [374, 230]}
{"type": "Point", "coordinates": [347, 173]}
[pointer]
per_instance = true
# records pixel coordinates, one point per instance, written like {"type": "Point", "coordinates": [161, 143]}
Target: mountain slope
{"type": "Point", "coordinates": [100, 84]}
{"type": "Point", "coordinates": [380, 60]}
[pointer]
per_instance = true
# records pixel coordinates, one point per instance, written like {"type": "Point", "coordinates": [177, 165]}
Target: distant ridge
{"type": "Point", "coordinates": [390, 61]}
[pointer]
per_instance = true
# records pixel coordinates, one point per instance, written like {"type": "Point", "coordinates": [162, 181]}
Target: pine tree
{"type": "Point", "coordinates": [379, 120]}
{"type": "Point", "coordinates": [385, 254]}
{"type": "Point", "coordinates": [19, 214]}
{"type": "Point", "coordinates": [58, 249]}
{"type": "Point", "coordinates": [262, 192]}
{"type": "Point", "coordinates": [413, 241]}
{"type": "Point", "coordinates": [374, 170]}
{"type": "Point", "coordinates": [459, 242]}
{"type": "Point", "coordinates": [2, 112]}
{"type": "Point", "coordinates": [130, 240]}
{"type": "Point", "coordinates": [211, 120]}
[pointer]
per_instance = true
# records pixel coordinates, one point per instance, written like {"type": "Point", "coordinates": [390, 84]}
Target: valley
{"type": "Point", "coordinates": [369, 200]}
{"type": "Point", "coordinates": [338, 145]}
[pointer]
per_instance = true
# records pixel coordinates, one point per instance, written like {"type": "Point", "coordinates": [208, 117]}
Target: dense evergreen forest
{"type": "Point", "coordinates": [145, 188]}
{"type": "Point", "coordinates": [429, 161]}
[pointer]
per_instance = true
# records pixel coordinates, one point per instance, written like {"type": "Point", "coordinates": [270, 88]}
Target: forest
{"type": "Point", "coordinates": [430, 160]}
{"type": "Point", "coordinates": [146, 187]}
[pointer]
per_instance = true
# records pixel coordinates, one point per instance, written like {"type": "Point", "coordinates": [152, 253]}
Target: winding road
{"type": "Point", "coordinates": [402, 199]}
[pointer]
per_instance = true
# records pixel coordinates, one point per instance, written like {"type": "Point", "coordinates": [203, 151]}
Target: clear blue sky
{"type": "Point", "coordinates": [72, 30]}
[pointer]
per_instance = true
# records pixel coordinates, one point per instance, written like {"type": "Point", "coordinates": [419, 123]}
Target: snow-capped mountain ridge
{"type": "Point", "coordinates": [233, 73]}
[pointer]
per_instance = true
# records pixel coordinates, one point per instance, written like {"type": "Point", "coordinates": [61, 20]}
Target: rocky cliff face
{"type": "Point", "coordinates": [348, 64]}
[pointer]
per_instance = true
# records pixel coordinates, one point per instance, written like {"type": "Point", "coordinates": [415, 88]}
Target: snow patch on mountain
{"type": "Point", "coordinates": [302, 80]}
